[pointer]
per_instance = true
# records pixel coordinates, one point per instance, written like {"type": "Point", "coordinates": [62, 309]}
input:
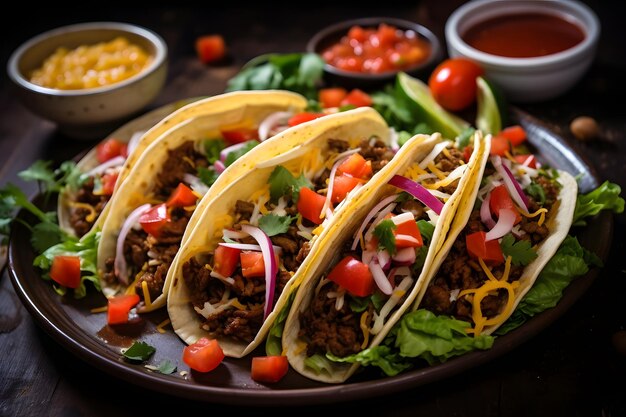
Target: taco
{"type": "Point", "coordinates": [499, 242]}
{"type": "Point", "coordinates": [152, 210]}
{"type": "Point", "coordinates": [103, 169]}
{"type": "Point", "coordinates": [260, 236]}
{"type": "Point", "coordinates": [372, 269]}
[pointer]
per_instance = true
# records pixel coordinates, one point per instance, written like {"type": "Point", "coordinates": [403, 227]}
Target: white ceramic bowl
{"type": "Point", "coordinates": [91, 112]}
{"type": "Point", "coordinates": [527, 79]}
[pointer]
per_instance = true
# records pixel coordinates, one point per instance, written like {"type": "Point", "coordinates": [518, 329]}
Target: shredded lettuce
{"type": "Point", "coordinates": [273, 343]}
{"type": "Point", "coordinates": [605, 197]}
{"type": "Point", "coordinates": [86, 248]}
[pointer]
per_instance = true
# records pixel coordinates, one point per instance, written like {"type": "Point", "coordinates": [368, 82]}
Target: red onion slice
{"type": "Point", "coordinates": [404, 256]}
{"type": "Point", "coordinates": [485, 213]}
{"type": "Point", "coordinates": [417, 191]}
{"type": "Point", "coordinates": [248, 246]}
{"type": "Point", "coordinates": [120, 266]}
{"type": "Point", "coordinates": [271, 121]}
{"type": "Point", "coordinates": [219, 166]}
{"type": "Point", "coordinates": [271, 269]}
{"type": "Point", "coordinates": [380, 278]}
{"type": "Point", "coordinates": [506, 220]}
{"type": "Point", "coordinates": [111, 163]}
{"type": "Point", "coordinates": [511, 183]}
{"type": "Point", "coordinates": [369, 217]}
{"type": "Point", "coordinates": [384, 259]}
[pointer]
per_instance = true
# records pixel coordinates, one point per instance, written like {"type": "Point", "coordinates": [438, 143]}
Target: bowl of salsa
{"type": "Point", "coordinates": [534, 50]}
{"type": "Point", "coordinates": [373, 50]}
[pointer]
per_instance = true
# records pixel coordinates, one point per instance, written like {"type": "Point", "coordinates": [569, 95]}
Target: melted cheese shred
{"type": "Point", "coordinates": [160, 326]}
{"type": "Point", "coordinates": [541, 212]}
{"type": "Point", "coordinates": [91, 217]}
{"type": "Point", "coordinates": [146, 294]}
{"type": "Point", "coordinates": [436, 171]}
{"type": "Point", "coordinates": [365, 329]}
{"type": "Point", "coordinates": [478, 294]}
{"type": "Point", "coordinates": [99, 309]}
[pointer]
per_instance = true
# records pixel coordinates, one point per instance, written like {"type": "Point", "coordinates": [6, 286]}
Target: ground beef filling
{"type": "Point", "coordinates": [326, 329]}
{"type": "Point", "coordinates": [460, 271]}
{"type": "Point", "coordinates": [151, 257]}
{"type": "Point", "coordinates": [78, 216]}
{"type": "Point", "coordinates": [180, 161]}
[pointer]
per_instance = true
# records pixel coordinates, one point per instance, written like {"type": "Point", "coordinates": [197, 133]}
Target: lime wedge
{"type": "Point", "coordinates": [422, 104]}
{"type": "Point", "coordinates": [491, 107]}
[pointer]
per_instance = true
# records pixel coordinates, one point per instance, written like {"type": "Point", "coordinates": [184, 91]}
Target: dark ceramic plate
{"type": "Point", "coordinates": [85, 334]}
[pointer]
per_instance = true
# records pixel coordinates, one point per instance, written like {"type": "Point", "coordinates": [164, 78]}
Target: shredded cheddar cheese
{"type": "Point", "coordinates": [146, 294]}
{"type": "Point", "coordinates": [318, 230]}
{"type": "Point", "coordinates": [300, 347]}
{"type": "Point", "coordinates": [189, 161]}
{"type": "Point", "coordinates": [365, 329]}
{"type": "Point", "coordinates": [131, 288]}
{"type": "Point", "coordinates": [160, 326]}
{"type": "Point", "coordinates": [235, 303]}
{"type": "Point", "coordinates": [446, 153]}
{"type": "Point", "coordinates": [99, 309]}
{"type": "Point", "coordinates": [436, 171]}
{"type": "Point", "coordinates": [189, 208]}
{"type": "Point", "coordinates": [414, 171]}
{"type": "Point", "coordinates": [486, 270]}
{"type": "Point", "coordinates": [91, 217]}
{"type": "Point", "coordinates": [541, 212]}
{"type": "Point", "coordinates": [508, 156]}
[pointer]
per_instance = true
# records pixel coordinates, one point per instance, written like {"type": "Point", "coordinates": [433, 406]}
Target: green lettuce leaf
{"type": "Point", "coordinates": [605, 197]}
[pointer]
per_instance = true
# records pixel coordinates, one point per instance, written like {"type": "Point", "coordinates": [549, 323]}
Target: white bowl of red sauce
{"type": "Point", "coordinates": [533, 50]}
{"type": "Point", "coordinates": [368, 51]}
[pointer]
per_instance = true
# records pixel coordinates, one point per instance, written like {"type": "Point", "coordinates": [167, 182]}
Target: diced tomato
{"type": "Point", "coordinates": [515, 134]}
{"type": "Point", "coordinates": [182, 196]}
{"type": "Point", "coordinates": [521, 159]}
{"type": "Point", "coordinates": [356, 166]}
{"type": "Point", "coordinates": [331, 97]}
{"type": "Point", "coordinates": [225, 260]}
{"type": "Point", "coordinates": [154, 219]}
{"type": "Point", "coordinates": [354, 276]}
{"type": "Point", "coordinates": [357, 33]}
{"type": "Point", "coordinates": [490, 252]}
{"type": "Point", "coordinates": [342, 185]}
{"type": "Point", "coordinates": [119, 307]}
{"type": "Point", "coordinates": [303, 117]}
{"type": "Point", "coordinates": [357, 98]}
{"type": "Point", "coordinates": [387, 34]}
{"type": "Point", "coordinates": [252, 264]}
{"type": "Point", "coordinates": [269, 368]}
{"type": "Point", "coordinates": [501, 199]}
{"type": "Point", "coordinates": [467, 153]}
{"type": "Point", "coordinates": [111, 148]}
{"type": "Point", "coordinates": [65, 270]}
{"type": "Point", "coordinates": [210, 48]}
{"type": "Point", "coordinates": [409, 228]}
{"type": "Point", "coordinates": [499, 145]}
{"type": "Point", "coordinates": [236, 136]}
{"type": "Point", "coordinates": [204, 355]}
{"type": "Point", "coordinates": [310, 205]}
{"type": "Point", "coordinates": [108, 183]}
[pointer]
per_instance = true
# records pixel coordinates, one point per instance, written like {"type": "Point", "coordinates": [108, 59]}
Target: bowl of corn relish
{"type": "Point", "coordinates": [88, 77]}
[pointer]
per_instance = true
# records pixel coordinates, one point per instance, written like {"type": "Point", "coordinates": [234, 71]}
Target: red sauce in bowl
{"type": "Point", "coordinates": [377, 50]}
{"type": "Point", "coordinates": [524, 35]}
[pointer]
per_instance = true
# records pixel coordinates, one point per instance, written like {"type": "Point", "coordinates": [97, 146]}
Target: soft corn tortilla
{"type": "Point", "coordinates": [236, 108]}
{"type": "Point", "coordinates": [353, 126]}
{"type": "Point", "coordinates": [205, 120]}
{"type": "Point", "coordinates": [413, 151]}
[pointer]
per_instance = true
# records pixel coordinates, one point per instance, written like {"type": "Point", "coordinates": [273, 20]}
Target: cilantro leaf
{"type": "Point", "coordinates": [386, 239]}
{"type": "Point", "coordinates": [166, 367]}
{"type": "Point", "coordinates": [426, 230]}
{"type": "Point", "coordinates": [139, 351]}
{"type": "Point", "coordinates": [273, 224]}
{"type": "Point", "coordinates": [207, 176]}
{"type": "Point", "coordinates": [464, 137]}
{"type": "Point", "coordinates": [234, 155]}
{"type": "Point", "coordinates": [53, 180]}
{"type": "Point", "coordinates": [392, 109]}
{"type": "Point", "coordinates": [283, 183]}
{"type": "Point", "coordinates": [536, 192]}
{"type": "Point", "coordinates": [45, 235]}
{"type": "Point", "coordinates": [40, 171]}
{"type": "Point", "coordinates": [212, 149]}
{"type": "Point", "coordinates": [521, 252]}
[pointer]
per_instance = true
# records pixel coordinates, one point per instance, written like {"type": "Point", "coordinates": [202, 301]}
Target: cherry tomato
{"type": "Point", "coordinates": [210, 48]}
{"type": "Point", "coordinates": [225, 260]}
{"type": "Point", "coordinates": [110, 148]}
{"type": "Point", "coordinates": [204, 355]}
{"type": "Point", "coordinates": [354, 276]}
{"type": "Point", "coordinates": [119, 307]}
{"type": "Point", "coordinates": [65, 270]}
{"type": "Point", "coordinates": [153, 220]}
{"type": "Point", "coordinates": [269, 368]}
{"type": "Point", "coordinates": [310, 205]}
{"type": "Point", "coordinates": [453, 83]}
{"type": "Point", "coordinates": [490, 252]}
{"type": "Point", "coordinates": [182, 196]}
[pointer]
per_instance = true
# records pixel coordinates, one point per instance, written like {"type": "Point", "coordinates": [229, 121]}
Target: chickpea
{"type": "Point", "coordinates": [584, 128]}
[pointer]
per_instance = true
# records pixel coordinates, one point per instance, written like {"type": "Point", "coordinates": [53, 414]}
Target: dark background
{"type": "Point", "coordinates": [576, 367]}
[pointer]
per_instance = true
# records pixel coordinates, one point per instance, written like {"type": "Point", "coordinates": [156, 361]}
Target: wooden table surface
{"type": "Point", "coordinates": [573, 368]}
